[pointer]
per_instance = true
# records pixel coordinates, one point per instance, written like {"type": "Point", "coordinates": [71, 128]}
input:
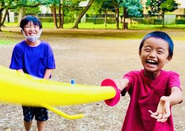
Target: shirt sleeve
{"type": "Point", "coordinates": [16, 59]}
{"type": "Point", "coordinates": [174, 80]}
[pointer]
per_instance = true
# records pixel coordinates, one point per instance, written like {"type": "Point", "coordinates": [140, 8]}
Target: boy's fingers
{"type": "Point", "coordinates": [158, 116]}
{"type": "Point", "coordinates": [163, 119]}
{"type": "Point", "coordinates": [153, 113]}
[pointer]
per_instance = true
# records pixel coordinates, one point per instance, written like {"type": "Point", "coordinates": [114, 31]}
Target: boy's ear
{"type": "Point", "coordinates": [139, 53]}
{"type": "Point", "coordinates": [169, 58]}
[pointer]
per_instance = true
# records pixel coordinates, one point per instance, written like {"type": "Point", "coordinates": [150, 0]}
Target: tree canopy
{"type": "Point", "coordinates": [156, 7]}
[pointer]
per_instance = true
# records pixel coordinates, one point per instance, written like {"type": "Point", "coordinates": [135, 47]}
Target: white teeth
{"type": "Point", "coordinates": [151, 61]}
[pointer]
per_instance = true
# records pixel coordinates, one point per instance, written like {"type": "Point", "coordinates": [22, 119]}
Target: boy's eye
{"type": "Point", "coordinates": [160, 52]}
{"type": "Point", "coordinates": [35, 26]}
{"type": "Point", "coordinates": [147, 49]}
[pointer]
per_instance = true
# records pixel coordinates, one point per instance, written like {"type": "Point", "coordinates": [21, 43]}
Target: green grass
{"type": "Point", "coordinates": [6, 42]}
{"type": "Point", "coordinates": [113, 26]}
{"type": "Point", "coordinates": [81, 26]}
{"type": "Point", "coordinates": [135, 31]}
{"type": "Point", "coordinates": [109, 26]}
{"type": "Point", "coordinates": [11, 24]}
{"type": "Point", "coordinates": [145, 26]}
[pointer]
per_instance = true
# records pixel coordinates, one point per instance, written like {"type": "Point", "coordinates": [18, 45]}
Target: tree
{"type": "Point", "coordinates": [82, 13]}
{"type": "Point", "coordinates": [160, 7]}
{"type": "Point", "coordinates": [104, 6]}
{"type": "Point", "coordinates": [56, 4]}
{"type": "Point", "coordinates": [168, 6]}
{"type": "Point", "coordinates": [22, 4]}
{"type": "Point", "coordinates": [131, 8]}
{"type": "Point", "coordinates": [111, 5]}
{"type": "Point", "coordinates": [5, 5]}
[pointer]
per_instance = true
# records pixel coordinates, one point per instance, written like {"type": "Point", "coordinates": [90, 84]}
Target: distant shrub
{"type": "Point", "coordinates": [180, 21]}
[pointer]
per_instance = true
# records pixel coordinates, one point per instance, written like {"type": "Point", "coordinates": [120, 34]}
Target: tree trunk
{"type": "Point", "coordinates": [57, 20]}
{"type": "Point", "coordinates": [62, 22]}
{"type": "Point", "coordinates": [105, 22]}
{"type": "Point", "coordinates": [55, 17]}
{"type": "Point", "coordinates": [21, 14]}
{"type": "Point", "coordinates": [62, 15]}
{"type": "Point", "coordinates": [1, 10]}
{"type": "Point", "coordinates": [163, 17]}
{"type": "Point", "coordinates": [117, 17]}
{"type": "Point", "coordinates": [82, 13]}
{"type": "Point", "coordinates": [8, 17]}
{"type": "Point", "coordinates": [125, 25]}
{"type": "Point", "coordinates": [3, 18]}
{"type": "Point", "coordinates": [131, 21]}
{"type": "Point", "coordinates": [59, 16]}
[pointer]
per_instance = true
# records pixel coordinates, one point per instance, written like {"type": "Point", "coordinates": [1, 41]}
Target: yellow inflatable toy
{"type": "Point", "coordinates": [19, 88]}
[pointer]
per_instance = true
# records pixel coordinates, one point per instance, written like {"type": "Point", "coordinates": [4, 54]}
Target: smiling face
{"type": "Point", "coordinates": [154, 55]}
{"type": "Point", "coordinates": [30, 29]}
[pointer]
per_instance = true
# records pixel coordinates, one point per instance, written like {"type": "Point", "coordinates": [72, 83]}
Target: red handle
{"type": "Point", "coordinates": [115, 100]}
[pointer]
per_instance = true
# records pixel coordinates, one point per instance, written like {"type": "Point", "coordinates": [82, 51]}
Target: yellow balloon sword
{"type": "Point", "coordinates": [20, 88]}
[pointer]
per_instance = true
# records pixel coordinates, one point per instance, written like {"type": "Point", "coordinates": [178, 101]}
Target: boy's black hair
{"type": "Point", "coordinates": [30, 18]}
{"type": "Point", "coordinates": [159, 35]}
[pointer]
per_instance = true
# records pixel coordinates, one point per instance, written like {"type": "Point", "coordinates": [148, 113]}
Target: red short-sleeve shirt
{"type": "Point", "coordinates": [145, 95]}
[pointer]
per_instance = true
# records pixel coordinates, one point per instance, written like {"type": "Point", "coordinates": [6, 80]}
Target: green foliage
{"type": "Point", "coordinates": [108, 4]}
{"type": "Point", "coordinates": [148, 21]}
{"type": "Point", "coordinates": [180, 21]}
{"type": "Point", "coordinates": [156, 7]}
{"type": "Point", "coordinates": [31, 10]}
{"type": "Point", "coordinates": [169, 5]}
{"type": "Point", "coordinates": [73, 3]}
{"type": "Point", "coordinates": [134, 7]}
{"type": "Point", "coordinates": [153, 6]}
{"type": "Point", "coordinates": [6, 4]}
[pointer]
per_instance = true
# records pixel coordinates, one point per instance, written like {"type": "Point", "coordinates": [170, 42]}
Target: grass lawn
{"type": "Point", "coordinates": [7, 42]}
{"type": "Point", "coordinates": [90, 30]}
{"type": "Point", "coordinates": [109, 26]}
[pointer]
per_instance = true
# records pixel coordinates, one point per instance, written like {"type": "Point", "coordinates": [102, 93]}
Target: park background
{"type": "Point", "coordinates": [92, 51]}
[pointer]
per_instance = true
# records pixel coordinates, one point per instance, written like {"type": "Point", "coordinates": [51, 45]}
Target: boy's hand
{"type": "Point", "coordinates": [163, 110]}
{"type": "Point", "coordinates": [121, 83]}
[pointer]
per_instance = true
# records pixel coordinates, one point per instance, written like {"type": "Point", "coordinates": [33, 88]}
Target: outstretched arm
{"type": "Point", "coordinates": [122, 83]}
{"type": "Point", "coordinates": [163, 109]}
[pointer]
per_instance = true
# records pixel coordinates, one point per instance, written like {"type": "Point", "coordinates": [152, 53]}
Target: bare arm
{"type": "Point", "coordinates": [47, 73]}
{"type": "Point", "coordinates": [163, 109]}
{"type": "Point", "coordinates": [176, 96]}
{"type": "Point", "coordinates": [20, 70]}
{"type": "Point", "coordinates": [122, 84]}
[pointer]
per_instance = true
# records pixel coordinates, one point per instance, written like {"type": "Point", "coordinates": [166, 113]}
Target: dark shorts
{"type": "Point", "coordinates": [40, 114]}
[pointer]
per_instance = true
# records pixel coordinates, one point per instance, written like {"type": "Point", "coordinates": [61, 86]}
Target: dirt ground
{"type": "Point", "coordinates": [88, 61]}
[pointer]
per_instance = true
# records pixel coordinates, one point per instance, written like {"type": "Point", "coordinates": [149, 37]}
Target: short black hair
{"type": "Point", "coordinates": [161, 35]}
{"type": "Point", "coordinates": [30, 18]}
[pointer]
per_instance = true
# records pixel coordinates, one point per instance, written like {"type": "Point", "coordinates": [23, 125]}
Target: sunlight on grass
{"type": "Point", "coordinates": [131, 33]}
{"type": "Point", "coordinates": [7, 42]}
{"type": "Point", "coordinates": [51, 25]}
{"type": "Point", "coordinates": [81, 26]}
{"type": "Point", "coordinates": [147, 26]}
{"type": "Point", "coordinates": [7, 24]}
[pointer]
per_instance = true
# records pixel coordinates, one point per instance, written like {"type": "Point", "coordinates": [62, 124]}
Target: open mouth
{"type": "Point", "coordinates": [31, 34]}
{"type": "Point", "coordinates": [152, 62]}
